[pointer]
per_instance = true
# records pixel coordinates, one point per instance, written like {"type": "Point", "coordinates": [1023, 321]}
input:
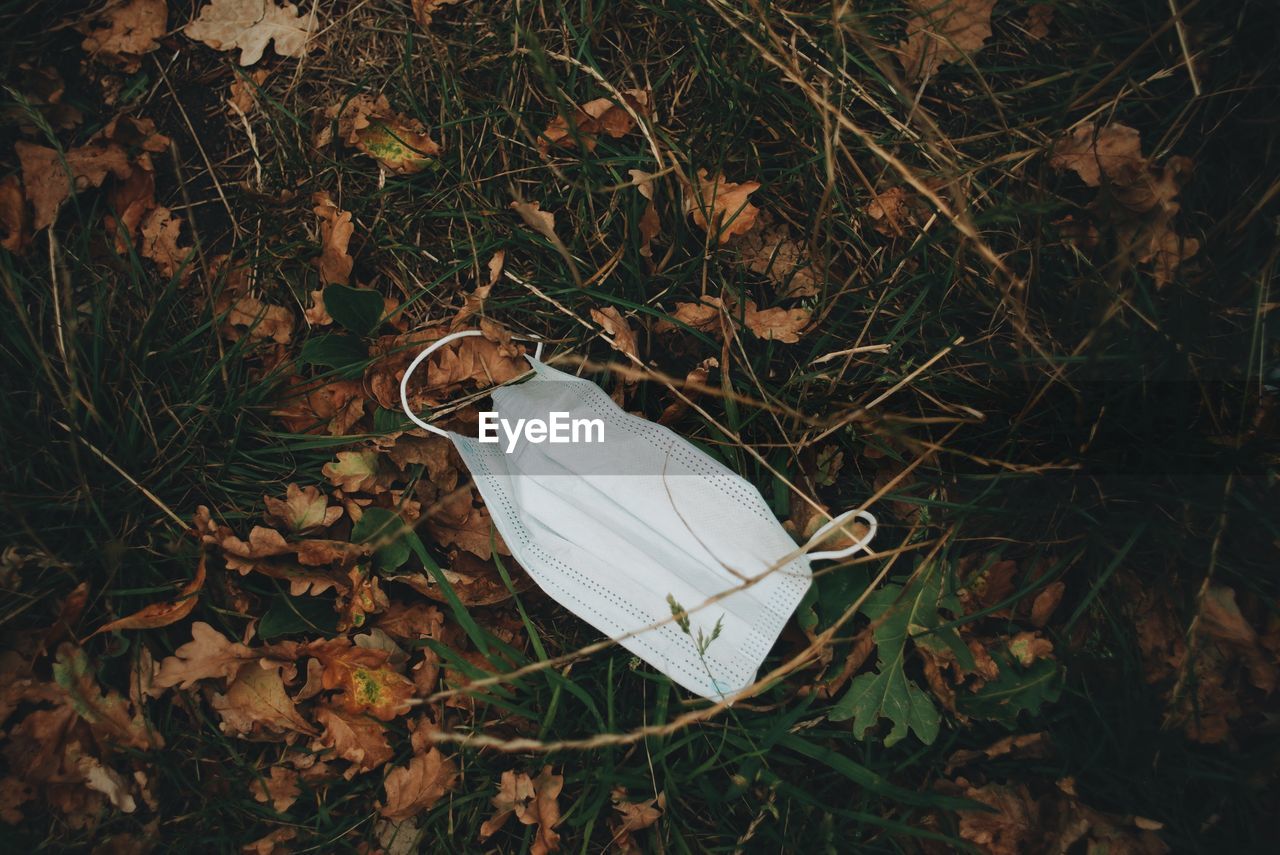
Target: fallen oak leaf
{"type": "Point", "coordinates": [777, 324]}
{"type": "Point", "coordinates": [161, 614]}
{"type": "Point", "coordinates": [542, 222]}
{"type": "Point", "coordinates": [457, 520]}
{"type": "Point", "coordinates": [422, 9]}
{"type": "Point", "coordinates": [357, 739]}
{"type": "Point", "coordinates": [123, 32]}
{"type": "Point", "coordinates": [703, 316]}
{"type": "Point", "coordinates": [160, 232]}
{"type": "Point", "coordinates": [771, 250]}
{"type": "Point", "coordinates": [367, 684]}
{"type": "Point", "coordinates": [1113, 151]}
{"type": "Point", "coordinates": [49, 177]}
{"type": "Point", "coordinates": [257, 704]}
{"type": "Point", "coordinates": [603, 115]}
{"type": "Point", "coordinates": [209, 655]}
{"type": "Point", "coordinates": [634, 816]}
{"type": "Point", "coordinates": [243, 94]}
{"type": "Point", "coordinates": [335, 262]}
{"type": "Point", "coordinates": [131, 199]}
{"type": "Point", "coordinates": [251, 25]}
{"type": "Point", "coordinates": [356, 471]}
{"type": "Point", "coordinates": [250, 316]}
{"type": "Point", "coordinates": [893, 210]}
{"type": "Point", "coordinates": [14, 219]}
{"type": "Point", "coordinates": [108, 713]}
{"type": "Point", "coordinates": [416, 787]}
{"type": "Point", "coordinates": [398, 142]}
{"type": "Point", "coordinates": [720, 207]}
{"type": "Point", "coordinates": [623, 338]}
{"type": "Point", "coordinates": [317, 406]}
{"type": "Point", "coordinates": [533, 802]}
{"type": "Point", "coordinates": [280, 787]}
{"type": "Point", "coordinates": [943, 31]}
{"type": "Point", "coordinates": [303, 509]}
{"type": "Point", "coordinates": [1039, 19]}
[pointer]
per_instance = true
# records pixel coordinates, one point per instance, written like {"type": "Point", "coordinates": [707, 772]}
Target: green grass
{"type": "Point", "coordinates": [1109, 440]}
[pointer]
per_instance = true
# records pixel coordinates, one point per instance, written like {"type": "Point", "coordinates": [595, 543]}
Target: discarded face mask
{"type": "Point", "coordinates": [642, 535]}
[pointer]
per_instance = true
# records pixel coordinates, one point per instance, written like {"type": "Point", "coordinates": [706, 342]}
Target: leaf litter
{"type": "Point", "coordinates": [345, 699]}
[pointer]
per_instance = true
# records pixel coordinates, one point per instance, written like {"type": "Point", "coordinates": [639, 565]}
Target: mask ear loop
{"type": "Point", "coordinates": [838, 521]}
{"type": "Point", "coordinates": [432, 348]}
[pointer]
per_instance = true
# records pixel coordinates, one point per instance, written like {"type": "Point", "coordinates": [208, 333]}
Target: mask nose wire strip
{"type": "Point", "coordinates": [421, 357]}
{"type": "Point", "coordinates": [838, 521]}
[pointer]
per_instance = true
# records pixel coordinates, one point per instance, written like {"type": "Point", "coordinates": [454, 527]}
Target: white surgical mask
{"type": "Point", "coordinates": [615, 531]}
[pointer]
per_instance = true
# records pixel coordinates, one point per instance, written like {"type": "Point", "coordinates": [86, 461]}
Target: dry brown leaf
{"type": "Point", "coordinates": [542, 222]}
{"type": "Point", "coordinates": [601, 116]}
{"type": "Point", "coordinates": [412, 621]}
{"type": "Point", "coordinates": [1010, 828]}
{"type": "Point", "coordinates": [367, 684]}
{"type": "Point", "coordinates": [696, 377]}
{"type": "Point", "coordinates": [162, 614]}
{"type": "Point", "coordinates": [460, 519]}
{"type": "Point", "coordinates": [335, 262]}
{"type": "Point", "coordinates": [1046, 601]}
{"type": "Point", "coordinates": [1141, 198]}
{"type": "Point", "coordinates": [942, 31]}
{"type": "Point", "coordinates": [131, 199]}
{"type": "Point", "coordinates": [280, 788]}
{"type": "Point", "coordinates": [257, 705]}
{"type": "Point", "coordinates": [985, 586]}
{"type": "Point", "coordinates": [1165, 250]}
{"type": "Point", "coordinates": [459, 366]}
{"type": "Point", "coordinates": [704, 316]}
{"type": "Point", "coordinates": [777, 324]}
{"type": "Point", "coordinates": [633, 817]}
{"type": "Point", "coordinates": [721, 206]}
{"type": "Point", "coordinates": [1039, 19]}
{"type": "Point", "coordinates": [1023, 745]}
{"type": "Point", "coordinates": [773, 251]}
{"type": "Point", "coordinates": [533, 802]}
{"type": "Point", "coordinates": [243, 94]}
{"type": "Point", "coordinates": [649, 226]}
{"type": "Point", "coordinates": [1056, 822]}
{"type": "Point", "coordinates": [251, 25]}
{"type": "Point", "coordinates": [1113, 151]}
{"type": "Point", "coordinates": [43, 87]}
{"type": "Point", "coordinates": [1221, 620]}
{"type": "Point", "coordinates": [302, 510]}
{"type": "Point", "coordinates": [422, 10]}
{"type": "Point", "coordinates": [320, 406]}
{"type": "Point", "coordinates": [250, 316]}
{"type": "Point", "coordinates": [44, 175]}
{"type": "Point", "coordinates": [894, 212]}
{"type": "Point", "coordinates": [123, 32]}
{"type": "Point", "coordinates": [14, 219]}
{"type": "Point", "coordinates": [209, 655]}
{"type": "Point", "coordinates": [414, 788]}
{"type": "Point", "coordinates": [1027, 647]}
{"type": "Point", "coordinates": [111, 717]}
{"type": "Point", "coordinates": [357, 739]}
{"type": "Point", "coordinates": [160, 231]}
{"type": "Point", "coordinates": [623, 337]}
{"type": "Point", "coordinates": [474, 302]}
{"type": "Point", "coordinates": [400, 143]}
{"type": "Point", "coordinates": [272, 843]}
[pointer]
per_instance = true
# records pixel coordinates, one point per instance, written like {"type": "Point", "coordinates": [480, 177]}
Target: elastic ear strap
{"type": "Point", "coordinates": [421, 357]}
{"type": "Point", "coordinates": [821, 533]}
